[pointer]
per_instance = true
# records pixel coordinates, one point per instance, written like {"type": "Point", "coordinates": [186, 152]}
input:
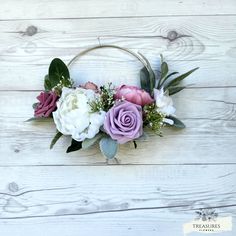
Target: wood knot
{"type": "Point", "coordinates": [31, 30]}
{"type": "Point", "coordinates": [16, 150]}
{"type": "Point", "coordinates": [13, 187]}
{"type": "Point", "coordinates": [172, 35]}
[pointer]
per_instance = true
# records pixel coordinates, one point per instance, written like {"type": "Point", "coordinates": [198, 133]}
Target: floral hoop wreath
{"type": "Point", "coordinates": [108, 115]}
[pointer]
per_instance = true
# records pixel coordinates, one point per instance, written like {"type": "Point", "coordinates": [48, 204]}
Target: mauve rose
{"type": "Point", "coordinates": [133, 94]}
{"type": "Point", "coordinates": [90, 85]}
{"type": "Point", "coordinates": [46, 105]}
{"type": "Point", "coordinates": [123, 122]}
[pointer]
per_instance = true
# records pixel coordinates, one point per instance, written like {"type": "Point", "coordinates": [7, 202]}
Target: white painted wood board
{"type": "Point", "coordinates": [154, 189]}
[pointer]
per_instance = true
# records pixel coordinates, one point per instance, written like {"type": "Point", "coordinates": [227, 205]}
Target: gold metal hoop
{"type": "Point", "coordinates": [138, 55]}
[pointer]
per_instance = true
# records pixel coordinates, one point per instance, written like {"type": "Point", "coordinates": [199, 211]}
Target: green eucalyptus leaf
{"type": "Point", "coordinates": [177, 80]}
{"type": "Point", "coordinates": [147, 79]}
{"type": "Point", "coordinates": [162, 58]}
{"type": "Point", "coordinates": [89, 142]}
{"type": "Point", "coordinates": [144, 79]}
{"type": "Point", "coordinates": [152, 80]}
{"type": "Point", "coordinates": [174, 90]}
{"type": "Point", "coordinates": [164, 69]}
{"type": "Point", "coordinates": [75, 146]}
{"type": "Point", "coordinates": [147, 73]}
{"type": "Point", "coordinates": [55, 139]}
{"type": "Point", "coordinates": [166, 78]}
{"type": "Point", "coordinates": [108, 147]}
{"type": "Point", "coordinates": [177, 123]}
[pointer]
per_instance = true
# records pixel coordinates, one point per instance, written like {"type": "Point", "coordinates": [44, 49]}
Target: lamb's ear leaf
{"type": "Point", "coordinates": [75, 146]}
{"type": "Point", "coordinates": [89, 142]}
{"type": "Point", "coordinates": [177, 123]}
{"type": "Point", "coordinates": [108, 147]}
{"type": "Point", "coordinates": [39, 119]}
{"type": "Point", "coordinates": [55, 139]}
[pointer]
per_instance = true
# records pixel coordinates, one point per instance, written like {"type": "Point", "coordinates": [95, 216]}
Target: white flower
{"type": "Point", "coordinates": [74, 116]}
{"type": "Point", "coordinates": [164, 104]}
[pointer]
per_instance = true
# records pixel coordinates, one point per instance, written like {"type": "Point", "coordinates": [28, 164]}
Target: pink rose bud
{"type": "Point", "coordinates": [133, 94]}
{"type": "Point", "coordinates": [90, 85]}
{"type": "Point", "coordinates": [46, 105]}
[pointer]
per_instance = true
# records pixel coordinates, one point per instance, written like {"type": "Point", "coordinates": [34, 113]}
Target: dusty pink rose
{"type": "Point", "coordinates": [133, 94]}
{"type": "Point", "coordinates": [46, 105]}
{"type": "Point", "coordinates": [90, 85]}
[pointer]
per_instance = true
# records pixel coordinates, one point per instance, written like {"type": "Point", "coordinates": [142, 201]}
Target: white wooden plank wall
{"type": "Point", "coordinates": [154, 189]}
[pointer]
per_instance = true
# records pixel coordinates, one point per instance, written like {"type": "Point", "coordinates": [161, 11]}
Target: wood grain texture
{"type": "Point", "coordinates": [152, 223]}
{"type": "Point", "coordinates": [209, 116]}
{"type": "Point", "coordinates": [144, 199]}
{"type": "Point", "coordinates": [45, 9]}
{"type": "Point", "coordinates": [154, 189]}
{"type": "Point", "coordinates": [186, 42]}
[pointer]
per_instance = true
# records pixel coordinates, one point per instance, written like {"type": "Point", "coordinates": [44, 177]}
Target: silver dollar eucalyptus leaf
{"type": "Point", "coordinates": [108, 147]}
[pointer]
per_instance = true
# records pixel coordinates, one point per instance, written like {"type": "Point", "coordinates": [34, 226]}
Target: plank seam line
{"type": "Point", "coordinates": [115, 211]}
{"type": "Point", "coordinates": [119, 17]}
{"type": "Point", "coordinates": [117, 165]}
{"type": "Point", "coordinates": [38, 90]}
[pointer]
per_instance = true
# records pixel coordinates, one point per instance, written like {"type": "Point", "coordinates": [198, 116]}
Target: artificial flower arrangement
{"type": "Point", "coordinates": [107, 114]}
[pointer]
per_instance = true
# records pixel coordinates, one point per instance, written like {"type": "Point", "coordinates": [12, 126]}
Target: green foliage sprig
{"type": "Point", "coordinates": [106, 99]}
{"type": "Point", "coordinates": [153, 119]}
{"type": "Point", "coordinates": [149, 81]}
{"type": "Point", "coordinates": [167, 82]}
{"type": "Point", "coordinates": [58, 77]}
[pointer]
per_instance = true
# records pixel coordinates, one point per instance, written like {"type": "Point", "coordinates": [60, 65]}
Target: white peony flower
{"type": "Point", "coordinates": [164, 104]}
{"type": "Point", "coordinates": [74, 116]}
